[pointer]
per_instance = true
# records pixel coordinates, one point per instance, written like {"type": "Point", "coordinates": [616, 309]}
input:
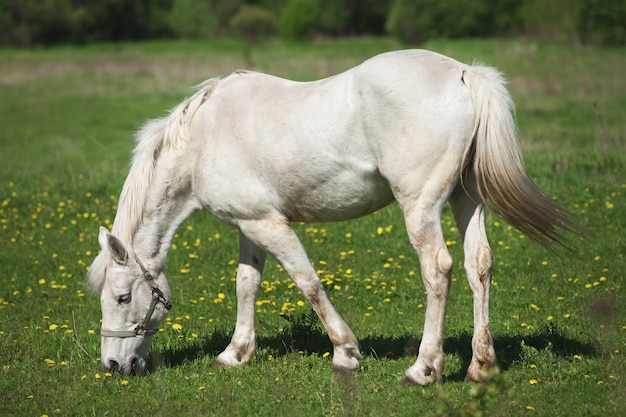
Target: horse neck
{"type": "Point", "coordinates": [156, 197]}
{"type": "Point", "coordinates": [154, 237]}
{"type": "Point", "coordinates": [166, 206]}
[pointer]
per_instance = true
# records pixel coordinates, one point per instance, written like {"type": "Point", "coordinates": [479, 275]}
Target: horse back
{"type": "Point", "coordinates": [323, 150]}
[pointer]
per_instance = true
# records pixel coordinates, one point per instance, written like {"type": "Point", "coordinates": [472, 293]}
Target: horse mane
{"type": "Point", "coordinates": [155, 140]}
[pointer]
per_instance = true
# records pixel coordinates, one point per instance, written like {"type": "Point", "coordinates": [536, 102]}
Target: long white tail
{"type": "Point", "coordinates": [496, 160]}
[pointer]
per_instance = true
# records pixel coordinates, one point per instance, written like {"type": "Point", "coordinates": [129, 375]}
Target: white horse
{"type": "Point", "coordinates": [260, 152]}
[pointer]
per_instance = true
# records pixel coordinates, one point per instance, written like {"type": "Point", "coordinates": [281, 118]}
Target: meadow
{"type": "Point", "coordinates": [559, 321]}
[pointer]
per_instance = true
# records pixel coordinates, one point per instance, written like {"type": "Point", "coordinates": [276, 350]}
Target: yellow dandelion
{"type": "Point", "coordinates": [124, 382]}
{"type": "Point", "coordinates": [533, 381]}
{"type": "Point", "coordinates": [325, 354]}
{"type": "Point", "coordinates": [177, 326]}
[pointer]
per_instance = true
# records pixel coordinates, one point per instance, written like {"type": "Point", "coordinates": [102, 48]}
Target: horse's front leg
{"type": "Point", "coordinates": [275, 235]}
{"type": "Point", "coordinates": [243, 344]}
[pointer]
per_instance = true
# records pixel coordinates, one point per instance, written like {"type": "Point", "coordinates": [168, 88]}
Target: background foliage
{"type": "Point", "coordinates": [46, 22]}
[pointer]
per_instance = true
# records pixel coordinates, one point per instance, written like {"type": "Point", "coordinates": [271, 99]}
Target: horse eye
{"type": "Point", "coordinates": [123, 299]}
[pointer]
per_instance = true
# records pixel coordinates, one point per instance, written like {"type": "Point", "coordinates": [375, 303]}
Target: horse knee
{"type": "Point", "coordinates": [444, 262]}
{"type": "Point", "coordinates": [439, 281]}
{"type": "Point", "coordinates": [484, 261]}
{"type": "Point", "coordinates": [478, 267]}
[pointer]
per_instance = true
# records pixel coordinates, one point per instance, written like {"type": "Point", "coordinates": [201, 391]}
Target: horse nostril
{"type": "Point", "coordinates": [114, 366]}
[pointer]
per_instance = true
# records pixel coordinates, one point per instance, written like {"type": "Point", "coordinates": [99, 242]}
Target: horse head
{"type": "Point", "coordinates": [133, 304]}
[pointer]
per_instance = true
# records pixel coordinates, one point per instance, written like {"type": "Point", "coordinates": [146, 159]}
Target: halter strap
{"type": "Point", "coordinates": [157, 297]}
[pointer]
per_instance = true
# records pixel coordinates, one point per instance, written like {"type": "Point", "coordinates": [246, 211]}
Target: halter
{"type": "Point", "coordinates": [157, 297]}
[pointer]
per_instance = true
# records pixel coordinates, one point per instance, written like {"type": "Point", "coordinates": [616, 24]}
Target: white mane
{"type": "Point", "coordinates": [156, 139]}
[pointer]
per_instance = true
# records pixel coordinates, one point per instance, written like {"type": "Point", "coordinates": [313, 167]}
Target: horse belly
{"type": "Point", "coordinates": [346, 196]}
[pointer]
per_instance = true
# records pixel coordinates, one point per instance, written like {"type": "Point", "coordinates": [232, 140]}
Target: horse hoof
{"type": "Point", "coordinates": [218, 365]}
{"type": "Point", "coordinates": [409, 382]}
{"type": "Point", "coordinates": [343, 369]}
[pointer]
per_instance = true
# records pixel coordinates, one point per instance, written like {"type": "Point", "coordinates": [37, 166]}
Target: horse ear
{"type": "Point", "coordinates": [113, 245]}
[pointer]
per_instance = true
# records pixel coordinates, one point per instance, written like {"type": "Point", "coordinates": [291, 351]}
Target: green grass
{"type": "Point", "coordinates": [68, 116]}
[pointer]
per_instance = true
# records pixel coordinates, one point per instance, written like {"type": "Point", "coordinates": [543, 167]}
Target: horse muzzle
{"type": "Point", "coordinates": [135, 366]}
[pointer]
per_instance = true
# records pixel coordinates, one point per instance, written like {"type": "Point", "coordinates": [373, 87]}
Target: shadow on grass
{"type": "Point", "coordinates": [305, 334]}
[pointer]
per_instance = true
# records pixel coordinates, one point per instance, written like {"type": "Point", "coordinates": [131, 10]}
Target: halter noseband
{"type": "Point", "coordinates": [157, 297]}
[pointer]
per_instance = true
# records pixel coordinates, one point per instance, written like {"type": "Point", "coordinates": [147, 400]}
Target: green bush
{"type": "Point", "coordinates": [332, 17]}
{"type": "Point", "coordinates": [192, 19]}
{"type": "Point", "coordinates": [297, 19]}
{"type": "Point", "coordinates": [419, 20]}
{"type": "Point", "coordinates": [32, 22]}
{"type": "Point", "coordinates": [554, 19]}
{"type": "Point", "coordinates": [253, 22]}
{"type": "Point", "coordinates": [602, 22]}
{"type": "Point", "coordinates": [349, 17]}
{"type": "Point", "coordinates": [47, 22]}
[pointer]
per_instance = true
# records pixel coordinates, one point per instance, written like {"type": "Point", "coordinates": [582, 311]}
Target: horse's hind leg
{"type": "Point", "coordinates": [470, 218]}
{"type": "Point", "coordinates": [424, 228]}
{"type": "Point", "coordinates": [243, 344]}
{"type": "Point", "coordinates": [275, 235]}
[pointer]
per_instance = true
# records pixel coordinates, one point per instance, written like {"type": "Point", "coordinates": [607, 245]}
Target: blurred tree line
{"type": "Point", "coordinates": [48, 22]}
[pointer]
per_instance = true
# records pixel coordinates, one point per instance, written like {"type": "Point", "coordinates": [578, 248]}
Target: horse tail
{"type": "Point", "coordinates": [156, 139]}
{"type": "Point", "coordinates": [495, 159]}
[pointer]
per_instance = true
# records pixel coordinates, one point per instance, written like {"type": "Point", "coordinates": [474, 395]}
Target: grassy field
{"type": "Point", "coordinates": [559, 323]}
